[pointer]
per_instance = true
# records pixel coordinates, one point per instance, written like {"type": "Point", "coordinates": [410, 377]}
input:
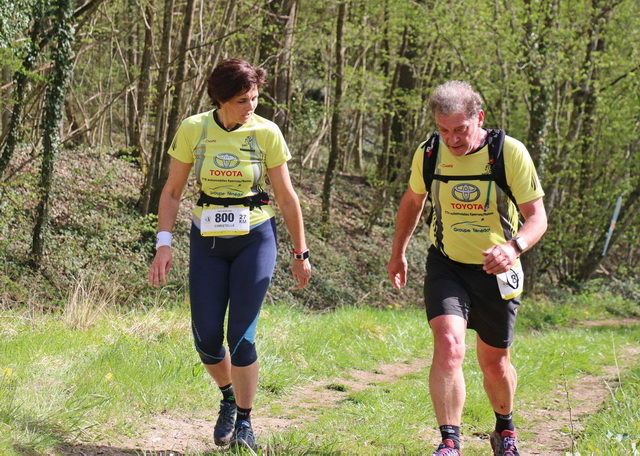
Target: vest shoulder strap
{"type": "Point", "coordinates": [495, 141]}
{"type": "Point", "coordinates": [430, 158]}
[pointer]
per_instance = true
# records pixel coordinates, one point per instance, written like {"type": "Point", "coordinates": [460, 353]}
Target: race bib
{"type": "Point", "coordinates": [511, 282]}
{"type": "Point", "coordinates": [224, 221]}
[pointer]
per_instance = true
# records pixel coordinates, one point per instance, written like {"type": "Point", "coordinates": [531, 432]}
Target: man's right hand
{"type": "Point", "coordinates": [397, 269]}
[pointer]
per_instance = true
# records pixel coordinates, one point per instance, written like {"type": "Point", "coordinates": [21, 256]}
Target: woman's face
{"type": "Point", "coordinates": [239, 109]}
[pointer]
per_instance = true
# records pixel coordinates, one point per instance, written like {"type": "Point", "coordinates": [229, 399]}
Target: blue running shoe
{"type": "Point", "coordinates": [223, 430]}
{"type": "Point", "coordinates": [243, 436]}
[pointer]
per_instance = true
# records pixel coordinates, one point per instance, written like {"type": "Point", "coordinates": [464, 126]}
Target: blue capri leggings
{"type": "Point", "coordinates": [230, 272]}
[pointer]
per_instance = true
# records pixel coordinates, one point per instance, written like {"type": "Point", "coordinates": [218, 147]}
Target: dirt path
{"type": "Point", "coordinates": [167, 435]}
{"type": "Point", "coordinates": [554, 427]}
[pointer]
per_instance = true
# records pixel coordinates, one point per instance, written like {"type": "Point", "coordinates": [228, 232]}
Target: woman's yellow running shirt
{"type": "Point", "coordinates": [230, 163]}
{"type": "Point", "coordinates": [469, 216]}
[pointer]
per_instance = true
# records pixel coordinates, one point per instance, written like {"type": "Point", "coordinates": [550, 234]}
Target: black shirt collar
{"type": "Point", "coordinates": [217, 119]}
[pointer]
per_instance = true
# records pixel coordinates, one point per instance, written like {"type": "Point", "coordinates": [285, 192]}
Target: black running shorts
{"type": "Point", "coordinates": [452, 288]}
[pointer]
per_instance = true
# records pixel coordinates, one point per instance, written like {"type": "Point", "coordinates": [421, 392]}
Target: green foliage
{"type": "Point", "coordinates": [14, 17]}
{"type": "Point", "coordinates": [564, 307]}
{"type": "Point", "coordinates": [95, 231]}
{"type": "Point", "coordinates": [591, 153]}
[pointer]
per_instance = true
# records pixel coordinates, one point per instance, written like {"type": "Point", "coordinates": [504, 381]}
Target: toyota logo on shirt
{"type": "Point", "coordinates": [465, 192]}
{"type": "Point", "coordinates": [226, 161]}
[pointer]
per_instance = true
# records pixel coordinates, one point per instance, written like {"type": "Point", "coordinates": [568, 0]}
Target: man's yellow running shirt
{"type": "Point", "coordinates": [469, 216]}
{"type": "Point", "coordinates": [230, 163]}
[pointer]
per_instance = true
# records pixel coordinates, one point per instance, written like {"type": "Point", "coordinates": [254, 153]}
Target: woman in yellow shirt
{"type": "Point", "coordinates": [233, 234]}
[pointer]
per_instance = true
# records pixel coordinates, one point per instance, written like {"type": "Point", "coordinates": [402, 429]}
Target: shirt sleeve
{"type": "Point", "coordinates": [277, 149]}
{"type": "Point", "coordinates": [182, 146]}
{"type": "Point", "coordinates": [521, 172]}
{"type": "Point", "coordinates": [416, 181]}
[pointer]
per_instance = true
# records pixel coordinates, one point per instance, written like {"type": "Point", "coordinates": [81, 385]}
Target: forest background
{"type": "Point", "coordinates": [91, 93]}
{"type": "Point", "coordinates": [109, 81]}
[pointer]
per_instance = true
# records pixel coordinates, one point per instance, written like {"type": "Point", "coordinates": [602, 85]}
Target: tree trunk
{"type": "Point", "coordinates": [276, 47]}
{"type": "Point", "coordinates": [79, 137]}
{"type": "Point", "coordinates": [397, 147]}
{"type": "Point", "coordinates": [173, 120]}
{"type": "Point", "coordinates": [15, 129]}
{"type": "Point", "coordinates": [131, 63]}
{"type": "Point", "coordinates": [140, 120]}
{"type": "Point", "coordinates": [583, 132]}
{"type": "Point", "coordinates": [7, 75]}
{"type": "Point", "coordinates": [152, 186]}
{"type": "Point", "coordinates": [400, 147]}
{"type": "Point", "coordinates": [52, 119]}
{"type": "Point", "coordinates": [334, 153]}
{"type": "Point", "coordinates": [383, 159]}
{"type": "Point", "coordinates": [539, 120]}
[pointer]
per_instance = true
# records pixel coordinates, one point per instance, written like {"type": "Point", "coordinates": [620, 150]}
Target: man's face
{"type": "Point", "coordinates": [460, 133]}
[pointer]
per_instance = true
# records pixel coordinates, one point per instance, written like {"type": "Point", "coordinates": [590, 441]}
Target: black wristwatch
{"type": "Point", "coordinates": [301, 255]}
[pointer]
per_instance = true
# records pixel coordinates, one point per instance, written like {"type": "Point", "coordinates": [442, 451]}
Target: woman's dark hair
{"type": "Point", "coordinates": [233, 77]}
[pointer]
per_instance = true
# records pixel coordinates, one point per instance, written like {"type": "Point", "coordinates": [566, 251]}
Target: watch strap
{"type": "Point", "coordinates": [301, 255]}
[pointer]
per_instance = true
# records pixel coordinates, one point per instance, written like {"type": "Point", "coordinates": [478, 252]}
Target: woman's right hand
{"type": "Point", "coordinates": [160, 266]}
{"type": "Point", "coordinates": [167, 213]}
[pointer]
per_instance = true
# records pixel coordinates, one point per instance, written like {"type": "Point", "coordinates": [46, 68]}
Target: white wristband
{"type": "Point", "coordinates": [164, 238]}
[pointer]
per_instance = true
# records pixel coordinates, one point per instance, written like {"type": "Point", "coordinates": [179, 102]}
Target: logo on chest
{"type": "Point", "coordinates": [465, 192]}
{"type": "Point", "coordinates": [226, 161]}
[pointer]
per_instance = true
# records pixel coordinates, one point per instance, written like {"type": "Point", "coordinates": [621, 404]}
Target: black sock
{"type": "Point", "coordinates": [243, 414]}
{"type": "Point", "coordinates": [227, 393]}
{"type": "Point", "coordinates": [452, 433]}
{"type": "Point", "coordinates": [504, 422]}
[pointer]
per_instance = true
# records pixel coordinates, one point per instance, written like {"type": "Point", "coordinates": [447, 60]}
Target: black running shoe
{"type": "Point", "coordinates": [224, 425]}
{"type": "Point", "coordinates": [505, 443]}
{"type": "Point", "coordinates": [243, 436]}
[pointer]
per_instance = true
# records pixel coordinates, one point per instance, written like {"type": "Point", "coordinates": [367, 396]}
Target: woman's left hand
{"type": "Point", "coordinates": [301, 270]}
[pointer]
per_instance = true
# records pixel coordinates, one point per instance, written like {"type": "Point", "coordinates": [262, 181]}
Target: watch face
{"type": "Point", "coordinates": [522, 245]}
{"type": "Point", "coordinates": [301, 256]}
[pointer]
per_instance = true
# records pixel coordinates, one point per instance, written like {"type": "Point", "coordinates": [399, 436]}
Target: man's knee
{"type": "Point", "coordinates": [497, 367]}
{"type": "Point", "coordinates": [449, 351]}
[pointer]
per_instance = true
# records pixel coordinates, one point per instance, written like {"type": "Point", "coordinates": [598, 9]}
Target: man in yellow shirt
{"type": "Point", "coordinates": [474, 277]}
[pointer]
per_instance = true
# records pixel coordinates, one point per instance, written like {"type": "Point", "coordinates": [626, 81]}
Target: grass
{"type": "Point", "coordinates": [398, 418]}
{"type": "Point", "coordinates": [321, 345]}
{"type": "Point", "coordinates": [96, 375]}
{"type": "Point", "coordinates": [602, 428]}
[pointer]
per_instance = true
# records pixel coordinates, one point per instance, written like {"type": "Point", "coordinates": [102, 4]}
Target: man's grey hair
{"type": "Point", "coordinates": [455, 97]}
